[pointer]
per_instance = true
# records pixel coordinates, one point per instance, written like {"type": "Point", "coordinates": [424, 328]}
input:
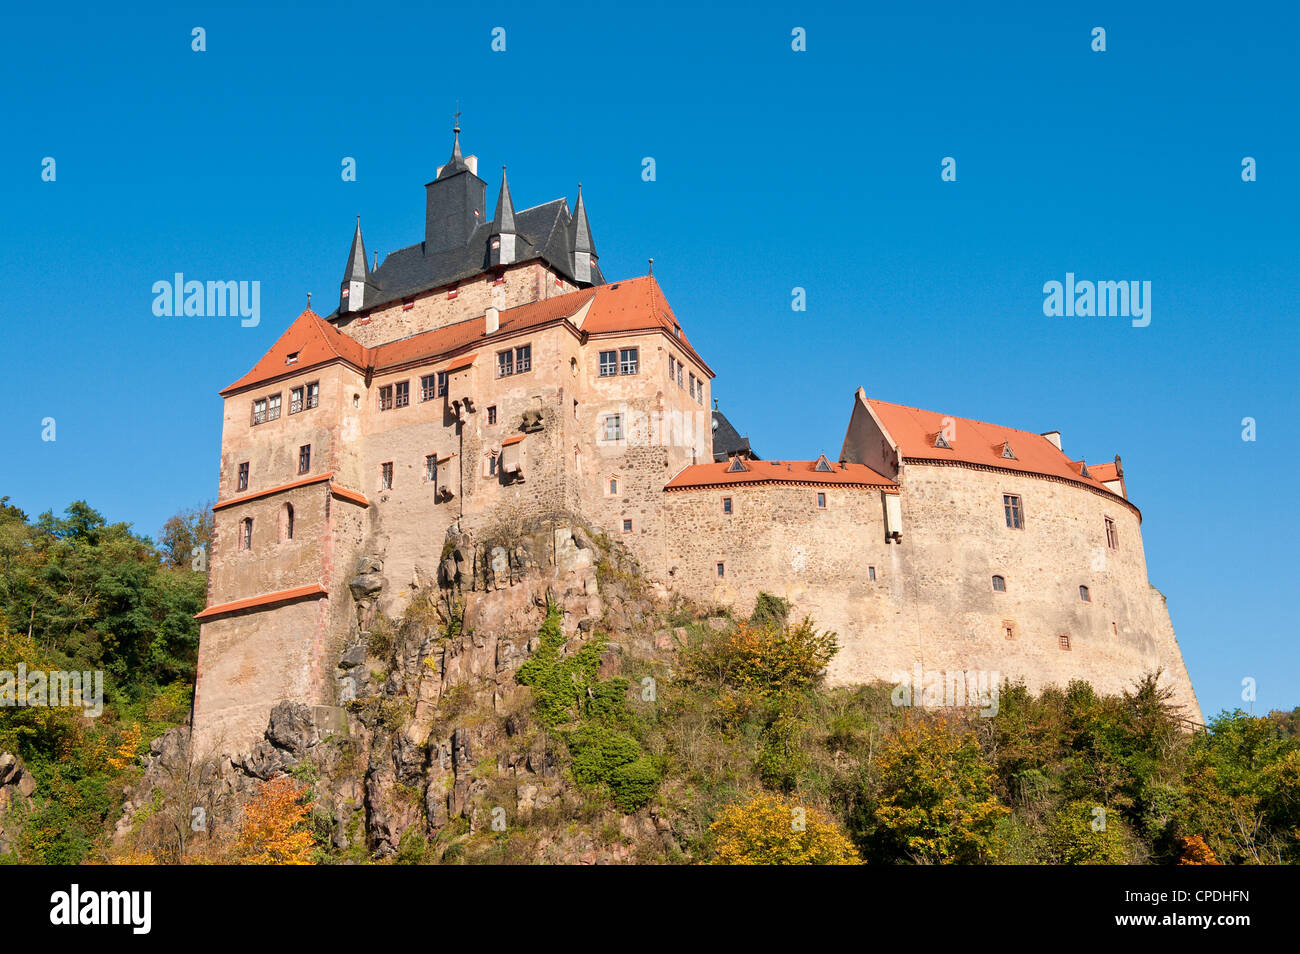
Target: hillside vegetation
{"type": "Point", "coordinates": [725, 748]}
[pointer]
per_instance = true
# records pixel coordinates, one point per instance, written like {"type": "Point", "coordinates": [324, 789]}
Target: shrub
{"type": "Point", "coordinates": [773, 830]}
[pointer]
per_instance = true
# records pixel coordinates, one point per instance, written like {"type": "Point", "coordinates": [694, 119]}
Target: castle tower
{"type": "Point", "coordinates": [453, 202]}
{"type": "Point", "coordinates": [356, 275]}
{"type": "Point", "coordinates": [584, 247]}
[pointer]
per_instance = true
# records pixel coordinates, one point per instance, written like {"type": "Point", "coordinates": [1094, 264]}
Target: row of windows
{"type": "Point", "coordinates": [675, 367]}
{"type": "Point", "coordinates": [1000, 586]}
{"type": "Point", "coordinates": [304, 467]}
{"type": "Point", "coordinates": [622, 361]}
{"type": "Point", "coordinates": [302, 398]}
{"type": "Point", "coordinates": [285, 528]}
{"type": "Point", "coordinates": [514, 361]}
{"type": "Point", "coordinates": [1014, 511]}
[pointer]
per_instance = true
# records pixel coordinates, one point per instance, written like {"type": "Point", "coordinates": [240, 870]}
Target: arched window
{"type": "Point", "coordinates": [1084, 594]}
{"type": "Point", "coordinates": [246, 534]}
{"type": "Point", "coordinates": [999, 584]}
{"type": "Point", "coordinates": [286, 522]}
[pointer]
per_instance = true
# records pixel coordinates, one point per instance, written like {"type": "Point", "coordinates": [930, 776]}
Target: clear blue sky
{"type": "Point", "coordinates": [775, 169]}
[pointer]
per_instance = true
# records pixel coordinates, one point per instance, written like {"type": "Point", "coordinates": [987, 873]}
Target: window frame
{"type": "Point", "coordinates": [999, 578]}
{"type": "Point", "coordinates": [241, 477]}
{"type": "Point", "coordinates": [1013, 505]}
{"type": "Point", "coordinates": [1112, 533]}
{"type": "Point", "coordinates": [385, 394]}
{"type": "Point", "coordinates": [386, 476]}
{"type": "Point", "coordinates": [304, 459]}
{"type": "Point", "coordinates": [629, 360]}
{"type": "Point", "coordinates": [607, 364]}
{"type": "Point", "coordinates": [296, 396]}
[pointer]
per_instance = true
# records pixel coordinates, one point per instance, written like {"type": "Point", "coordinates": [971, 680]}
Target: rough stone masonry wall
{"type": "Point", "coordinates": [955, 538]}
{"type": "Point", "coordinates": [523, 284]}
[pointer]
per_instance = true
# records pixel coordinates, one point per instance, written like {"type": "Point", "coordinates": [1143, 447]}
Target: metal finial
{"type": "Point", "coordinates": [652, 266]}
{"type": "Point", "coordinates": [309, 301]}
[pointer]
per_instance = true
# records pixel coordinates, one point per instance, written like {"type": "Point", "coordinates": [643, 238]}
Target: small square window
{"type": "Point", "coordinates": [627, 526]}
{"type": "Point", "coordinates": [726, 505]}
{"type": "Point", "coordinates": [291, 359]}
{"type": "Point", "coordinates": [614, 427]}
{"type": "Point", "coordinates": [1063, 640]}
{"type": "Point", "coordinates": [492, 414]}
{"type": "Point", "coordinates": [408, 304]}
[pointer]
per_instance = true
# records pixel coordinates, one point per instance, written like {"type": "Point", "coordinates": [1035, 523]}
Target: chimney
{"type": "Point", "coordinates": [1054, 437]}
{"type": "Point", "coordinates": [493, 320]}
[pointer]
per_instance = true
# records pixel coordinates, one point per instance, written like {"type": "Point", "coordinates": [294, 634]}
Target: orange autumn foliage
{"type": "Point", "coordinates": [274, 829]}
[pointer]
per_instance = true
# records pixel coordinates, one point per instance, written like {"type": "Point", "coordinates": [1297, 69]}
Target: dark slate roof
{"type": "Point", "coordinates": [582, 240]}
{"type": "Point", "coordinates": [357, 269]}
{"type": "Point", "coordinates": [544, 232]}
{"type": "Point", "coordinates": [504, 219]}
{"type": "Point", "coordinates": [726, 441]}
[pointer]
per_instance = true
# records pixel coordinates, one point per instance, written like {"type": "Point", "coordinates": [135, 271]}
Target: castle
{"type": "Point", "coordinates": [492, 368]}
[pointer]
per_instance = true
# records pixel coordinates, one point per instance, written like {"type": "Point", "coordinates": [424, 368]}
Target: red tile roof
{"type": "Point", "coordinates": [335, 489]}
{"type": "Point", "coordinates": [621, 307]}
{"type": "Point", "coordinates": [314, 340]}
{"type": "Point", "coordinates": [284, 596]}
{"type": "Point", "coordinates": [1104, 472]}
{"type": "Point", "coordinates": [779, 472]}
{"type": "Point", "coordinates": [977, 442]}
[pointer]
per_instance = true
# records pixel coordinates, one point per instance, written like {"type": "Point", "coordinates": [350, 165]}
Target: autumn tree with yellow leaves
{"type": "Point", "coordinates": [274, 829]}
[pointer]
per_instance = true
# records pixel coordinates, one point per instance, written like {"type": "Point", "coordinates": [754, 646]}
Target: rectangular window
{"type": "Point", "coordinates": [679, 374]}
{"type": "Point", "coordinates": [386, 398]}
{"type": "Point", "coordinates": [273, 407]}
{"type": "Point", "coordinates": [821, 501]}
{"type": "Point", "coordinates": [692, 385]}
{"type": "Point", "coordinates": [1112, 536]}
{"type": "Point", "coordinates": [313, 394]}
{"type": "Point", "coordinates": [295, 400]}
{"type": "Point", "coordinates": [428, 387]}
{"type": "Point", "coordinates": [523, 359]}
{"type": "Point", "coordinates": [614, 427]}
{"type": "Point", "coordinates": [871, 574]}
{"type": "Point", "coordinates": [613, 485]}
{"type": "Point", "coordinates": [304, 458]}
{"type": "Point", "coordinates": [259, 411]}
{"type": "Point", "coordinates": [1063, 640]}
{"type": "Point", "coordinates": [627, 526]}
{"type": "Point", "coordinates": [243, 477]}
{"type": "Point", "coordinates": [386, 476]}
{"type": "Point", "coordinates": [726, 505]}
{"type": "Point", "coordinates": [1014, 513]}
{"type": "Point", "coordinates": [443, 377]}
{"type": "Point", "coordinates": [403, 396]}
{"type": "Point", "coordinates": [431, 468]}
{"type": "Point", "coordinates": [608, 364]}
{"type": "Point", "coordinates": [628, 358]}
{"type": "Point", "coordinates": [722, 569]}
{"type": "Point", "coordinates": [1008, 629]}
{"type": "Point", "coordinates": [505, 364]}
{"type": "Point", "coordinates": [492, 465]}
{"type": "Point", "coordinates": [699, 391]}
{"type": "Point", "coordinates": [246, 538]}
{"type": "Point", "coordinates": [672, 367]}
{"type": "Point", "coordinates": [492, 414]}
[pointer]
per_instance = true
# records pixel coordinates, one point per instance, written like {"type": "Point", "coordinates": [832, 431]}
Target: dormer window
{"type": "Point", "coordinates": [941, 442]}
{"type": "Point", "coordinates": [292, 359]}
{"type": "Point", "coordinates": [1007, 452]}
{"type": "Point", "coordinates": [823, 465]}
{"type": "Point", "coordinates": [737, 466]}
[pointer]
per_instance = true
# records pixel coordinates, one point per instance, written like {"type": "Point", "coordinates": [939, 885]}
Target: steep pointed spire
{"type": "Point", "coordinates": [456, 163]}
{"type": "Point", "coordinates": [504, 220]}
{"type": "Point", "coordinates": [356, 278]}
{"type": "Point", "coordinates": [502, 245]}
{"type": "Point", "coordinates": [584, 247]}
{"type": "Point", "coordinates": [582, 240]}
{"type": "Point", "coordinates": [357, 270]}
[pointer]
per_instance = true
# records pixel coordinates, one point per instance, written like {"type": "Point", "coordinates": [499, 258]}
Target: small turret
{"type": "Point", "coordinates": [453, 201]}
{"type": "Point", "coordinates": [501, 243]}
{"type": "Point", "coordinates": [584, 247]}
{"type": "Point", "coordinates": [356, 277]}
